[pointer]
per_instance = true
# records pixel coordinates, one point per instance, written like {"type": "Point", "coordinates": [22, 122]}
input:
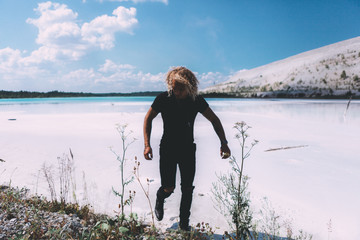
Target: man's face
{"type": "Point", "coordinates": [180, 90]}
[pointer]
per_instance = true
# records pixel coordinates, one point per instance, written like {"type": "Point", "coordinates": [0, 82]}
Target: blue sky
{"type": "Point", "coordinates": [128, 45]}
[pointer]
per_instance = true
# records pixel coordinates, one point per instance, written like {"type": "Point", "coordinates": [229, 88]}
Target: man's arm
{"type": "Point", "coordinates": [150, 115]}
{"type": "Point", "coordinates": [215, 121]}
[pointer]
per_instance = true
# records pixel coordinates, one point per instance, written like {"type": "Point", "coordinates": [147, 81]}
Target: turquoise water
{"type": "Point", "coordinates": [94, 104]}
{"type": "Point", "coordinates": [314, 110]}
{"type": "Point", "coordinates": [73, 100]}
{"type": "Point", "coordinates": [75, 104]}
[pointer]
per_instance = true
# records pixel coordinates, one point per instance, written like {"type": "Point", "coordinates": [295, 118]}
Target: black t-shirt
{"type": "Point", "coordinates": [178, 117]}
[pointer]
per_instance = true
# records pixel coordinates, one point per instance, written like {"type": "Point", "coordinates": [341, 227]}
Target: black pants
{"type": "Point", "coordinates": [172, 156]}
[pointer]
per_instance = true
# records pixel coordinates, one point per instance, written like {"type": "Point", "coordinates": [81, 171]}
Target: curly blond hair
{"type": "Point", "coordinates": [184, 76]}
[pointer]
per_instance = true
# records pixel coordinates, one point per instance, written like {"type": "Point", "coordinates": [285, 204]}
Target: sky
{"type": "Point", "coordinates": [129, 45]}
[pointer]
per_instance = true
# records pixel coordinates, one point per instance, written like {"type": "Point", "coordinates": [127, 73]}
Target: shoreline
{"type": "Point", "coordinates": [238, 95]}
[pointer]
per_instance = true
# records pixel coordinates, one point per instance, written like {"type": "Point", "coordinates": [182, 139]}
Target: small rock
{"type": "Point", "coordinates": [172, 218]}
{"type": "Point", "coordinates": [26, 226]}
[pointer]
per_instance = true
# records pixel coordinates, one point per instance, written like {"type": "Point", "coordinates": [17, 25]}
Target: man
{"type": "Point", "coordinates": [179, 107]}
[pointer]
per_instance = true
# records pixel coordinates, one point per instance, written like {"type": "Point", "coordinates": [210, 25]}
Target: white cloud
{"type": "Point", "coordinates": [78, 80]}
{"type": "Point", "coordinates": [14, 75]}
{"type": "Point", "coordinates": [54, 18]}
{"type": "Point", "coordinates": [108, 77]}
{"type": "Point", "coordinates": [123, 78]}
{"type": "Point", "coordinates": [211, 78]}
{"type": "Point", "coordinates": [12, 67]}
{"type": "Point", "coordinates": [110, 66]}
{"type": "Point", "coordinates": [61, 37]}
{"type": "Point", "coordinates": [100, 31]}
{"type": "Point", "coordinates": [9, 59]}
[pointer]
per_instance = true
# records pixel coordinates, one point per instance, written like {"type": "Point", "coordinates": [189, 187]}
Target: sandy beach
{"type": "Point", "coordinates": [307, 185]}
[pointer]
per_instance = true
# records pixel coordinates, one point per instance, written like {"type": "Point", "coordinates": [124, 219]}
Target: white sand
{"type": "Point", "coordinates": [309, 185]}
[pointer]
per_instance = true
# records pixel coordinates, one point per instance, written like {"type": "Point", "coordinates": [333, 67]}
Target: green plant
{"type": "Point", "coordinates": [124, 134]}
{"type": "Point", "coordinates": [356, 78]}
{"type": "Point", "coordinates": [230, 192]}
{"type": "Point", "coordinates": [343, 75]}
{"type": "Point", "coordinates": [303, 236]}
{"type": "Point", "coordinates": [201, 231]}
{"type": "Point", "coordinates": [263, 88]}
{"type": "Point", "coordinates": [204, 230]}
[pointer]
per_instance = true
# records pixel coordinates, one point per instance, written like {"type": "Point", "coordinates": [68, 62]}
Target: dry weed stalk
{"type": "Point", "coordinates": [1, 160]}
{"type": "Point", "coordinates": [66, 178]}
{"type": "Point", "coordinates": [85, 190]}
{"type": "Point", "coordinates": [47, 171]}
{"type": "Point", "coordinates": [329, 227]}
{"type": "Point", "coordinates": [146, 191]}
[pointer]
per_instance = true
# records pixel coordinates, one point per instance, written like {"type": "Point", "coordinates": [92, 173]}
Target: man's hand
{"type": "Point", "coordinates": [225, 151]}
{"type": "Point", "coordinates": [150, 115]}
{"type": "Point", "coordinates": [148, 153]}
{"type": "Point", "coordinates": [215, 121]}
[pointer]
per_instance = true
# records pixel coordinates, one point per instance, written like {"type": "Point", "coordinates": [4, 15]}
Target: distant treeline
{"type": "Point", "coordinates": [57, 94]}
{"type": "Point", "coordinates": [278, 94]}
